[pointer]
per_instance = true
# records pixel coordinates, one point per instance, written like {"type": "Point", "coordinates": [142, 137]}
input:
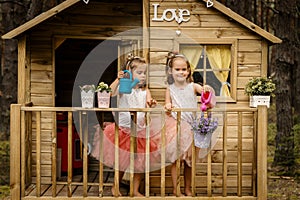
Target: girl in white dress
{"type": "Point", "coordinates": [181, 93]}
{"type": "Point", "coordinates": [140, 97]}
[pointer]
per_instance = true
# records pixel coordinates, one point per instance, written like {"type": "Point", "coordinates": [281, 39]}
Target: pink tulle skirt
{"type": "Point", "coordinates": [172, 150]}
{"type": "Point", "coordinates": [108, 148]}
{"type": "Point", "coordinates": [186, 139]}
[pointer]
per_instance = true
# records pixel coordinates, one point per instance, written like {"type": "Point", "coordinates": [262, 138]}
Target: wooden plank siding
{"type": "Point", "coordinates": [207, 25]}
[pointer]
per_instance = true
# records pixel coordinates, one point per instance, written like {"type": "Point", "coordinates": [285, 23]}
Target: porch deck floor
{"type": "Point", "coordinates": [93, 188]}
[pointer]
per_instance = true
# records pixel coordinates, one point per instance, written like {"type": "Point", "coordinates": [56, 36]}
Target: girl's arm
{"type": "Point", "coordinates": [150, 102]}
{"type": "Point", "coordinates": [197, 88]}
{"type": "Point", "coordinates": [115, 84]}
{"type": "Point", "coordinates": [168, 101]}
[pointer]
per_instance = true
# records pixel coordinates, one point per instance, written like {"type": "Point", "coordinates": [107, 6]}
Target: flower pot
{"type": "Point", "coordinates": [259, 100]}
{"type": "Point", "coordinates": [87, 99]}
{"type": "Point", "coordinates": [103, 99]}
{"type": "Point", "coordinates": [201, 140]}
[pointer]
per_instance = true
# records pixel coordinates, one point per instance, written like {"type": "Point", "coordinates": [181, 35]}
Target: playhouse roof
{"type": "Point", "coordinates": [220, 7]}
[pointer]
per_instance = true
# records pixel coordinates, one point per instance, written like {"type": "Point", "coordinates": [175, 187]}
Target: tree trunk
{"type": "Point", "coordinates": [245, 8]}
{"type": "Point", "coordinates": [296, 102]}
{"type": "Point", "coordinates": [13, 13]}
{"type": "Point", "coordinates": [285, 55]}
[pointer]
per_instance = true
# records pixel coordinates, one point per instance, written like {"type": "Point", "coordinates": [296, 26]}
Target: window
{"type": "Point", "coordinates": [212, 64]}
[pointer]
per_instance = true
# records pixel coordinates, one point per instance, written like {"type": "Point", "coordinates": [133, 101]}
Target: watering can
{"type": "Point", "coordinates": [126, 84]}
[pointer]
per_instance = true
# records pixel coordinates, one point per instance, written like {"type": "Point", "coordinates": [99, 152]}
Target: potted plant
{"type": "Point", "coordinates": [103, 95]}
{"type": "Point", "coordinates": [203, 129]}
{"type": "Point", "coordinates": [260, 89]}
{"type": "Point", "coordinates": [87, 95]}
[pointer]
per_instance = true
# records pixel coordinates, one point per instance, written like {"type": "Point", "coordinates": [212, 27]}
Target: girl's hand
{"type": "Point", "coordinates": [120, 74]}
{"type": "Point", "coordinates": [168, 106]}
{"type": "Point", "coordinates": [151, 103]}
{"type": "Point", "coordinates": [207, 88]}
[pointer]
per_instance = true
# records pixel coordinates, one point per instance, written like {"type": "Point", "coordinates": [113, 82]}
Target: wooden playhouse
{"type": "Point", "coordinates": [77, 43]}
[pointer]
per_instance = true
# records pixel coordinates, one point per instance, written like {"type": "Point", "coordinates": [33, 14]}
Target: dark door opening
{"type": "Point", "coordinates": [83, 61]}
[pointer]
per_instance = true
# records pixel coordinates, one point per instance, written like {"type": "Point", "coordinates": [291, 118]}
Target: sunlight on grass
{"type": "Point", "coordinates": [4, 191]}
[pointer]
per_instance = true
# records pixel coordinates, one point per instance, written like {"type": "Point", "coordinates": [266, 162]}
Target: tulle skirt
{"type": "Point", "coordinates": [108, 148]}
{"type": "Point", "coordinates": [172, 150]}
{"type": "Point", "coordinates": [182, 151]}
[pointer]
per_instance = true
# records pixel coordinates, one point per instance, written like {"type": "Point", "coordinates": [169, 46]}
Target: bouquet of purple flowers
{"type": "Point", "coordinates": [204, 125]}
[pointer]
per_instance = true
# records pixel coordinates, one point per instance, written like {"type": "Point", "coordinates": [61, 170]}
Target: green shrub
{"type": "Point", "coordinates": [296, 131]}
{"type": "Point", "coordinates": [4, 162]}
{"type": "Point", "coordinates": [271, 133]}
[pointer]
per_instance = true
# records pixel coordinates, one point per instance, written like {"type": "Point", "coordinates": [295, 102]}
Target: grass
{"type": "Point", "coordinates": [4, 172]}
{"type": "Point", "coordinates": [4, 191]}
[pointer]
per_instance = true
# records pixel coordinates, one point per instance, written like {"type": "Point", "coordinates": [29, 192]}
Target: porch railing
{"type": "Point", "coordinates": [29, 124]}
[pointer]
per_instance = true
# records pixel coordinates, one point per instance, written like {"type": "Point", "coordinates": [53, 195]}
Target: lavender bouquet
{"type": "Point", "coordinates": [204, 125]}
{"type": "Point", "coordinates": [203, 128]}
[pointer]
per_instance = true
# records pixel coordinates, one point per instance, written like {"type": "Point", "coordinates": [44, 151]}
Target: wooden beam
{"type": "Point", "coordinates": [240, 155]}
{"type": "Point", "coordinates": [70, 155]}
{"type": "Point", "coordinates": [22, 70]}
{"type": "Point", "coordinates": [54, 154]}
{"type": "Point", "coordinates": [262, 148]}
{"type": "Point", "coordinates": [147, 162]}
{"type": "Point", "coordinates": [264, 59]}
{"type": "Point", "coordinates": [146, 39]}
{"type": "Point", "coordinates": [58, 41]}
{"type": "Point", "coordinates": [224, 164]}
{"type": "Point", "coordinates": [38, 153]}
{"type": "Point", "coordinates": [163, 157]}
{"type": "Point", "coordinates": [15, 153]}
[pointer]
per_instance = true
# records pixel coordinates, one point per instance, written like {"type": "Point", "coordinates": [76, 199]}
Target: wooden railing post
{"type": "Point", "coordinates": [70, 154]}
{"type": "Point", "coordinates": [178, 130]}
{"type": "Point", "coordinates": [262, 148]}
{"type": "Point", "coordinates": [15, 153]}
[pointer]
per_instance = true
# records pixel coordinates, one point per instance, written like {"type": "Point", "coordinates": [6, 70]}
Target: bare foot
{"type": "Point", "coordinates": [113, 192]}
{"type": "Point", "coordinates": [137, 194]}
{"type": "Point", "coordinates": [188, 192]}
{"type": "Point", "coordinates": [178, 195]}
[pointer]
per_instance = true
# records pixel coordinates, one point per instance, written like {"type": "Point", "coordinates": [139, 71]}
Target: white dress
{"type": "Point", "coordinates": [181, 98]}
{"type": "Point", "coordinates": [137, 99]}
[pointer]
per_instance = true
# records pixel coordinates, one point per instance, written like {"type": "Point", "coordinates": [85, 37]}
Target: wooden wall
{"type": "Point", "coordinates": [207, 25]}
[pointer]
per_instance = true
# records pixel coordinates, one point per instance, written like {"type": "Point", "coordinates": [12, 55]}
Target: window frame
{"type": "Point", "coordinates": [233, 70]}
